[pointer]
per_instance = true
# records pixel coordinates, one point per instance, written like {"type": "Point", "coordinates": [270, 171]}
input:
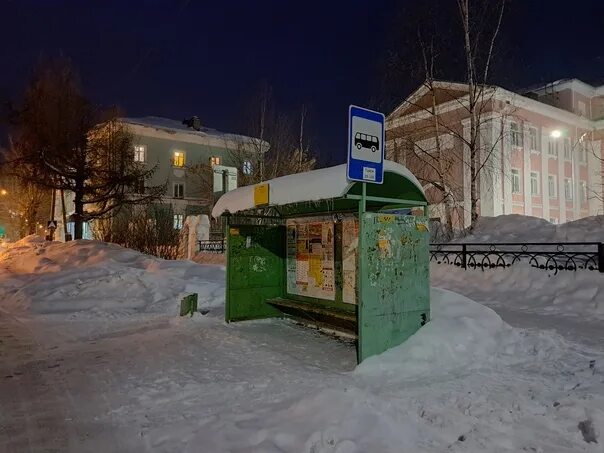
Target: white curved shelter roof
{"type": "Point", "coordinates": [314, 185]}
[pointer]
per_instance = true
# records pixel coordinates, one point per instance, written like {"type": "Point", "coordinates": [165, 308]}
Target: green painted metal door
{"type": "Point", "coordinates": [255, 260]}
{"type": "Point", "coordinates": [394, 280]}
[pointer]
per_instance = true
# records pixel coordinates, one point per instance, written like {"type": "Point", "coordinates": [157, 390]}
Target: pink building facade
{"type": "Point", "coordinates": [542, 150]}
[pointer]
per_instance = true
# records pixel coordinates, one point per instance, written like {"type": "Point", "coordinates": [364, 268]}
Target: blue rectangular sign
{"type": "Point", "coordinates": [366, 144]}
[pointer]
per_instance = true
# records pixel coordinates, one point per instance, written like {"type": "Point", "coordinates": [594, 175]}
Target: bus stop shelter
{"type": "Point", "coordinates": [338, 255]}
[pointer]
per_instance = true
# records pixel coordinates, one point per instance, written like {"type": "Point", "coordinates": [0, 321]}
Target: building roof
{"type": "Point", "coordinates": [315, 185]}
{"type": "Point", "coordinates": [180, 131]}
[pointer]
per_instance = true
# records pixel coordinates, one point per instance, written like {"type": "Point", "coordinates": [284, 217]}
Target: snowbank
{"type": "Point", "coordinates": [520, 228]}
{"type": "Point", "coordinates": [523, 288]}
{"type": "Point", "coordinates": [462, 334]}
{"type": "Point", "coordinates": [99, 278]}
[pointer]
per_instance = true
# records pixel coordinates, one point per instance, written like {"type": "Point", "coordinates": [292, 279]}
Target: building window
{"type": "Point", "coordinates": [568, 189]}
{"type": "Point", "coordinates": [534, 183]}
{"type": "Point", "coordinates": [553, 220]}
{"type": "Point", "coordinates": [583, 153]}
{"type": "Point", "coordinates": [516, 134]}
{"type": "Point", "coordinates": [515, 181]}
{"type": "Point", "coordinates": [552, 186]}
{"type": "Point", "coordinates": [179, 190]}
{"type": "Point", "coordinates": [583, 189]}
{"type": "Point", "coordinates": [552, 148]}
{"type": "Point", "coordinates": [533, 138]}
{"type": "Point", "coordinates": [246, 168]}
{"type": "Point", "coordinates": [178, 221]}
{"type": "Point", "coordinates": [140, 186]}
{"type": "Point", "coordinates": [214, 160]}
{"type": "Point", "coordinates": [567, 148]}
{"type": "Point", "coordinates": [178, 159]}
{"type": "Point", "coordinates": [582, 108]}
{"type": "Point", "coordinates": [140, 153]}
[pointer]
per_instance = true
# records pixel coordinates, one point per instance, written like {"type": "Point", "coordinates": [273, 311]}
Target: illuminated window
{"type": "Point", "coordinates": [179, 190]}
{"type": "Point", "coordinates": [140, 153]}
{"type": "Point", "coordinates": [214, 160]}
{"type": "Point", "coordinates": [178, 159]}
{"type": "Point", "coordinates": [178, 221]}
{"type": "Point", "coordinates": [247, 168]}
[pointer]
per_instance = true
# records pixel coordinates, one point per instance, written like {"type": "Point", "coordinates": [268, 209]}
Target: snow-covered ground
{"type": "Point", "coordinates": [94, 358]}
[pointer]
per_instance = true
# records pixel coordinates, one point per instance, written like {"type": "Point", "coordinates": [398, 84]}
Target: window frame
{"type": "Point", "coordinates": [184, 158]}
{"type": "Point", "coordinates": [536, 173]}
{"type": "Point", "coordinates": [568, 184]}
{"type": "Point", "coordinates": [178, 221]}
{"type": "Point", "coordinates": [552, 148]}
{"type": "Point", "coordinates": [583, 192]}
{"type": "Point", "coordinates": [567, 156]}
{"type": "Point", "coordinates": [516, 177]}
{"type": "Point", "coordinates": [214, 160]}
{"type": "Point", "coordinates": [516, 135]}
{"type": "Point", "coordinates": [176, 184]}
{"type": "Point", "coordinates": [554, 179]}
{"type": "Point", "coordinates": [138, 149]}
{"type": "Point", "coordinates": [535, 137]}
{"type": "Point", "coordinates": [246, 167]}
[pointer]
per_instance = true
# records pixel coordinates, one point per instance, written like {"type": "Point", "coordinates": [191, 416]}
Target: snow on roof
{"type": "Point", "coordinates": [313, 185]}
{"type": "Point", "coordinates": [175, 127]}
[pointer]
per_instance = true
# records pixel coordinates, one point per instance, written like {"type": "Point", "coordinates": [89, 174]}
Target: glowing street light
{"type": "Point", "coordinates": [3, 192]}
{"type": "Point", "coordinates": [555, 134]}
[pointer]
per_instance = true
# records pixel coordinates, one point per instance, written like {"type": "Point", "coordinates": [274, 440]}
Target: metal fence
{"type": "Point", "coordinates": [557, 256]}
{"type": "Point", "coordinates": [211, 246]}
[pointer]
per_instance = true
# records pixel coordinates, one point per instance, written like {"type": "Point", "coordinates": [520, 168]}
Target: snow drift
{"type": "Point", "coordinates": [520, 228]}
{"type": "Point", "coordinates": [98, 277]}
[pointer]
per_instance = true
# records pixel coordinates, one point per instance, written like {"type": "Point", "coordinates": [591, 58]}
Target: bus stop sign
{"type": "Point", "coordinates": [365, 145]}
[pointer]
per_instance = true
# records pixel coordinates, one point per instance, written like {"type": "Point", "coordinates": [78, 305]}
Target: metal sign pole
{"type": "Point", "coordinates": [360, 264]}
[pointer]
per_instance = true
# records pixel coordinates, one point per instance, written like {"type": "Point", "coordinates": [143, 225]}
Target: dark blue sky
{"type": "Point", "coordinates": [179, 58]}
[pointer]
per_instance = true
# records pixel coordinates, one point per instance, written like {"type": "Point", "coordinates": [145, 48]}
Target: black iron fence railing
{"type": "Point", "coordinates": [211, 246]}
{"type": "Point", "coordinates": [555, 256]}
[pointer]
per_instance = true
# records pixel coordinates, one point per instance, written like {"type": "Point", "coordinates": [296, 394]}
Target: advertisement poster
{"type": "Point", "coordinates": [350, 242]}
{"type": "Point", "coordinates": [310, 257]}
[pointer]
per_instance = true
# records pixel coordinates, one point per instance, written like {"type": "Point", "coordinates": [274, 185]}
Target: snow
{"type": "Point", "coordinates": [322, 184]}
{"type": "Point", "coordinates": [126, 374]}
{"type": "Point", "coordinates": [520, 228]}
{"type": "Point", "coordinates": [177, 127]}
{"type": "Point", "coordinates": [81, 277]}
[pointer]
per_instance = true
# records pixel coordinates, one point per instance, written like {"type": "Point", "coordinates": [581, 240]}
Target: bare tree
{"type": "Point", "coordinates": [276, 149]}
{"type": "Point", "coordinates": [58, 139]}
{"type": "Point", "coordinates": [474, 102]}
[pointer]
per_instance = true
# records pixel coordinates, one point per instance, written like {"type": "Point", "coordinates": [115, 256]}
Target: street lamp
{"type": "Point", "coordinates": [3, 192]}
{"type": "Point", "coordinates": [556, 133]}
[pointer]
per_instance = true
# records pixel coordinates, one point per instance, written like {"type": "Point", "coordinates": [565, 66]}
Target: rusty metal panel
{"type": "Point", "coordinates": [394, 280]}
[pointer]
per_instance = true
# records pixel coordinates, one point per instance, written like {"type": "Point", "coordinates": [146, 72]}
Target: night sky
{"type": "Point", "coordinates": [186, 57]}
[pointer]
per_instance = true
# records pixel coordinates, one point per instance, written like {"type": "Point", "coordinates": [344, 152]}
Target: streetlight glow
{"type": "Point", "coordinates": [3, 192]}
{"type": "Point", "coordinates": [556, 134]}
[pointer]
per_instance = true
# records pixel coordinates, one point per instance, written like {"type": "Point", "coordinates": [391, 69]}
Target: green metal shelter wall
{"type": "Point", "coordinates": [394, 280]}
{"type": "Point", "coordinates": [255, 262]}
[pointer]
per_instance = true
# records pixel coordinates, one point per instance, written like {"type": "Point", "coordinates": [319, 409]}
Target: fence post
{"type": "Point", "coordinates": [601, 257]}
{"type": "Point", "coordinates": [464, 260]}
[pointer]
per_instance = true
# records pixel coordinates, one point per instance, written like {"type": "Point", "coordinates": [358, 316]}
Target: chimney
{"type": "Point", "coordinates": [194, 122]}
